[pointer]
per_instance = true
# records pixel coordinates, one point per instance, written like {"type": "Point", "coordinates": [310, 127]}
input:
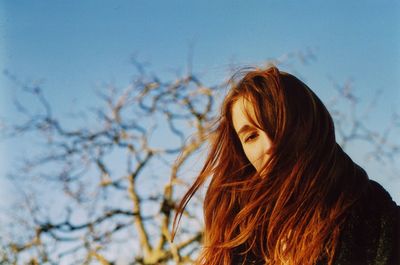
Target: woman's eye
{"type": "Point", "coordinates": [251, 137]}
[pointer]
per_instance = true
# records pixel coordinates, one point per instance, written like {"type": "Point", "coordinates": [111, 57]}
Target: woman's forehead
{"type": "Point", "coordinates": [242, 113]}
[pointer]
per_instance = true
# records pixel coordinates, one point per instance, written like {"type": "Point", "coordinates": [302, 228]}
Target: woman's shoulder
{"type": "Point", "coordinates": [371, 233]}
{"type": "Point", "coordinates": [377, 201]}
{"type": "Point", "coordinates": [377, 189]}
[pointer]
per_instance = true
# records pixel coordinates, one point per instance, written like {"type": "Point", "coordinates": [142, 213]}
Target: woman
{"type": "Point", "coordinates": [282, 191]}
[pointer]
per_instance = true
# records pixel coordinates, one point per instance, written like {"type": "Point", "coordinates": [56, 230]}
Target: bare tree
{"type": "Point", "coordinates": [108, 187]}
{"type": "Point", "coordinates": [351, 124]}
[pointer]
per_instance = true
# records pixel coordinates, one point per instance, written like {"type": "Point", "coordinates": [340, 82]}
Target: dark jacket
{"type": "Point", "coordinates": [371, 233]}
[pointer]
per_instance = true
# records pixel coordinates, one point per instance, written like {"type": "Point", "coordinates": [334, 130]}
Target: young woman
{"type": "Point", "coordinates": [282, 191]}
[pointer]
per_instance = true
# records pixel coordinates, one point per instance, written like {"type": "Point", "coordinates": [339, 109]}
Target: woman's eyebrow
{"type": "Point", "coordinates": [245, 128]}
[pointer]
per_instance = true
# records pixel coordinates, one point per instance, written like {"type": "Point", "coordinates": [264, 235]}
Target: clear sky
{"type": "Point", "coordinates": [71, 47]}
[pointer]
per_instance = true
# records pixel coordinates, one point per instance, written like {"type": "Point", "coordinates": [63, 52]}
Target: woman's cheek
{"type": "Point", "coordinates": [251, 154]}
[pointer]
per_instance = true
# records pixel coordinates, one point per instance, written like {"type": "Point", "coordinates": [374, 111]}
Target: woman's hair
{"type": "Point", "coordinates": [293, 209]}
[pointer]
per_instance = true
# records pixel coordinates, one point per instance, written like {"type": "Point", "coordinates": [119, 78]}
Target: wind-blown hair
{"type": "Point", "coordinates": [291, 211]}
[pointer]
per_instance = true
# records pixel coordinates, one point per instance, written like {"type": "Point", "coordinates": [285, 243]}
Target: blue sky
{"type": "Point", "coordinates": [72, 47]}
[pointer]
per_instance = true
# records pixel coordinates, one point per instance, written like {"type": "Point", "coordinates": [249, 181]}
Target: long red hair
{"type": "Point", "coordinates": [292, 211]}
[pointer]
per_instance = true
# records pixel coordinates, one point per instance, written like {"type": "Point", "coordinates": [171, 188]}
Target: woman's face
{"type": "Point", "coordinates": [255, 142]}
